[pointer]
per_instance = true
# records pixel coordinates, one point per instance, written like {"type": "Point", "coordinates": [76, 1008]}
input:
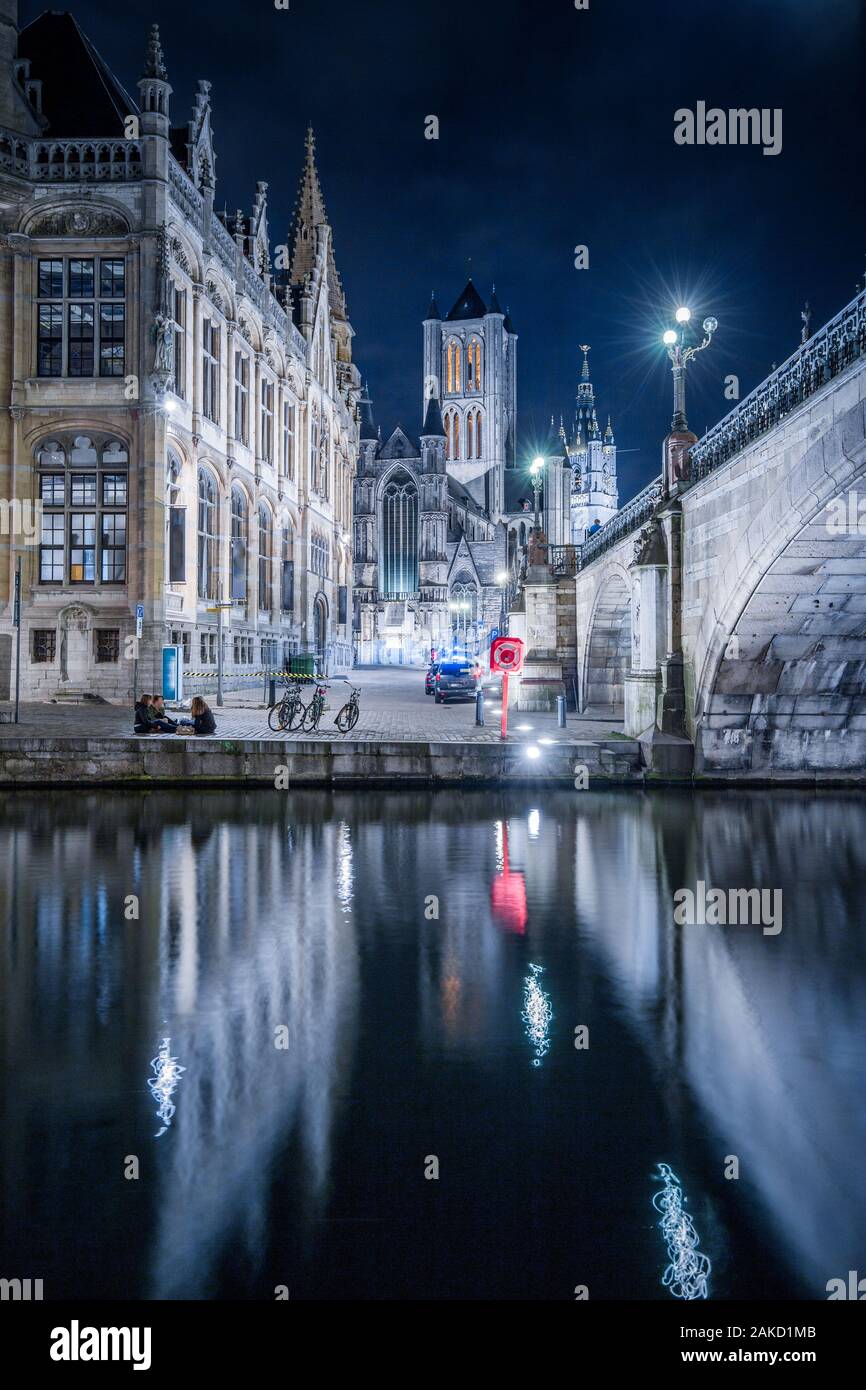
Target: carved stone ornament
{"type": "Point", "coordinates": [79, 222]}
{"type": "Point", "coordinates": [649, 545]}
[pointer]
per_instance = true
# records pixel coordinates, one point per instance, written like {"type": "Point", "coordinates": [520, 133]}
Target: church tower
{"type": "Point", "coordinates": [592, 454]}
{"type": "Point", "coordinates": [470, 364]}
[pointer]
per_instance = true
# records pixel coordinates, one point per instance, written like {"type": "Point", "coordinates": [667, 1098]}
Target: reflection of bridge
{"type": "Point", "coordinates": [727, 602]}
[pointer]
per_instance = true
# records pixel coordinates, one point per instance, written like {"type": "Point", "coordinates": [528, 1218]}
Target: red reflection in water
{"type": "Point", "coordinates": [508, 893]}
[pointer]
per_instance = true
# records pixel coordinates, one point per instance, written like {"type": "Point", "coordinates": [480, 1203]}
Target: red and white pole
{"type": "Point", "coordinates": [504, 704]}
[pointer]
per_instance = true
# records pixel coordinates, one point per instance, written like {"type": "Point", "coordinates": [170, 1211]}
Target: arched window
{"type": "Point", "coordinates": [398, 550]}
{"type": "Point", "coordinates": [239, 541]}
{"type": "Point", "coordinates": [452, 435]}
{"type": "Point", "coordinates": [479, 439]}
{"type": "Point", "coordinates": [208, 535]}
{"type": "Point", "coordinates": [464, 608]}
{"type": "Point", "coordinates": [470, 434]}
{"type": "Point", "coordinates": [287, 575]}
{"type": "Point", "coordinates": [265, 552]}
{"type": "Point", "coordinates": [452, 366]}
{"type": "Point", "coordinates": [175, 524]}
{"type": "Point", "coordinates": [83, 500]}
{"type": "Point", "coordinates": [473, 366]}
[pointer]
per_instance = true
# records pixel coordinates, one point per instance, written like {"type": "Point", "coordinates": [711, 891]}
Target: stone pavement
{"type": "Point", "coordinates": [394, 709]}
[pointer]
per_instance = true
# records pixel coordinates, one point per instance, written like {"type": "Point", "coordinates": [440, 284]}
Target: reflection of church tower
{"type": "Point", "coordinates": [593, 460]}
{"type": "Point", "coordinates": [470, 363]}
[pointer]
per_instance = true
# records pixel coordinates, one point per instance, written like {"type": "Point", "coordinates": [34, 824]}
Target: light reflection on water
{"type": "Point", "coordinates": [264, 916]}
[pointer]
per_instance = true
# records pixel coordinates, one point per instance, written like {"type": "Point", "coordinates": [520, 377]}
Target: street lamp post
{"type": "Point", "coordinates": [535, 472]}
{"type": "Point", "coordinates": [681, 356]}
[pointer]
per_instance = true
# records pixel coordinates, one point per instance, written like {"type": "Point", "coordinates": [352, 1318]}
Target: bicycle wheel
{"type": "Point", "coordinates": [296, 714]}
{"type": "Point", "coordinates": [275, 717]}
{"type": "Point", "coordinates": [342, 719]}
{"type": "Point", "coordinates": [354, 715]}
{"type": "Point", "coordinates": [312, 716]}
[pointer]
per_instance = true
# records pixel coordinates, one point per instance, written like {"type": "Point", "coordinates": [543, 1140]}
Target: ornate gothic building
{"type": "Point", "coordinates": [180, 419]}
{"type": "Point", "coordinates": [430, 543]}
{"type": "Point", "coordinates": [443, 521]}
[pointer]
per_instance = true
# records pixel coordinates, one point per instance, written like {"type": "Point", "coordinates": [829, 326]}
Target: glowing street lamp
{"type": "Point", "coordinates": [680, 356]}
{"type": "Point", "coordinates": [536, 469]}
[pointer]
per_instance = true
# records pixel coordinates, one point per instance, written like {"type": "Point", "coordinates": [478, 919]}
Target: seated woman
{"type": "Point", "coordinates": [202, 719]}
{"type": "Point", "coordinates": [167, 725]}
{"type": "Point", "coordinates": [141, 723]}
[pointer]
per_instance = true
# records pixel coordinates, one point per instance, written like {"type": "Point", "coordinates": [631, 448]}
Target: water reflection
{"type": "Point", "coordinates": [688, 1271]}
{"type": "Point", "coordinates": [264, 917]}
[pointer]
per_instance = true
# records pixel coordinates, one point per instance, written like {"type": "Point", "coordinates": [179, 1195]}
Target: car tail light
{"type": "Point", "coordinates": [438, 677]}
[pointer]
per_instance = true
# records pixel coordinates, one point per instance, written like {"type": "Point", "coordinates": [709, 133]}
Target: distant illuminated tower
{"type": "Point", "coordinates": [594, 496]}
{"type": "Point", "coordinates": [470, 363]}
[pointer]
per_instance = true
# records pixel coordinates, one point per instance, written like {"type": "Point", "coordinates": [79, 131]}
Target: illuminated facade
{"type": "Point", "coordinates": [180, 413]}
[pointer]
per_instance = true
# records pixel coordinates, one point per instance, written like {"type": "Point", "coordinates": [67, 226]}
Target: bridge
{"type": "Point", "coordinates": [725, 605]}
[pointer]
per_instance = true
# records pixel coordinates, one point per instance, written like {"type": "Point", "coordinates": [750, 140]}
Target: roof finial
{"type": "Point", "coordinates": [154, 63]}
{"type": "Point", "coordinates": [584, 371]}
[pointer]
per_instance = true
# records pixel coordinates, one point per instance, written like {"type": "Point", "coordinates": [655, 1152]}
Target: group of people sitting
{"type": "Point", "coordinates": [151, 717]}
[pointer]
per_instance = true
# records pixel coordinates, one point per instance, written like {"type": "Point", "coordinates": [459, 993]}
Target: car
{"type": "Point", "coordinates": [456, 680]}
{"type": "Point", "coordinates": [430, 678]}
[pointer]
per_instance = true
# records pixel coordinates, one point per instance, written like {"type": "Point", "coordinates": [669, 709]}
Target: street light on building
{"type": "Point", "coordinates": [681, 356]}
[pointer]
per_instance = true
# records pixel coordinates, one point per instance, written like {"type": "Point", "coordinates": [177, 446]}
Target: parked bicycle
{"type": "Point", "coordinates": [315, 710]}
{"type": "Point", "coordinates": [348, 716]}
{"type": "Point", "coordinates": [289, 711]}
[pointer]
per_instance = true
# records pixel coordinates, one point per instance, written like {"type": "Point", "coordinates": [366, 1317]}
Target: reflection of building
{"type": "Point", "coordinates": [429, 543]}
{"type": "Point", "coordinates": [184, 416]}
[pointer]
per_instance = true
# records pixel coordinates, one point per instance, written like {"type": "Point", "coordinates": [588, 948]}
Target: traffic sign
{"type": "Point", "coordinates": [139, 619]}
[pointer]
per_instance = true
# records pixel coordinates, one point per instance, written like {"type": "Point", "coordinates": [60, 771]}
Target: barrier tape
{"type": "Point", "coordinates": [274, 675]}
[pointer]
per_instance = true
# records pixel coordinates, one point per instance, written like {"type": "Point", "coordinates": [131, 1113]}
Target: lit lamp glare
{"type": "Point", "coordinates": [669, 337]}
{"type": "Point", "coordinates": [683, 315]}
{"type": "Point", "coordinates": [537, 465]}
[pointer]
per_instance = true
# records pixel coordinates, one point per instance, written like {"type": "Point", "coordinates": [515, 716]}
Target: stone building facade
{"type": "Point", "coordinates": [179, 425]}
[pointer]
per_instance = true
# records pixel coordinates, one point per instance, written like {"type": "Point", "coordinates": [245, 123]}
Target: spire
{"type": "Point", "coordinates": [432, 310]}
{"type": "Point", "coordinates": [608, 434]}
{"type": "Point", "coordinates": [433, 420]}
{"type": "Point", "coordinates": [154, 63]}
{"type": "Point", "coordinates": [365, 415]}
{"type": "Point", "coordinates": [584, 371]}
{"type": "Point", "coordinates": [309, 215]}
{"type": "Point", "coordinates": [493, 306]}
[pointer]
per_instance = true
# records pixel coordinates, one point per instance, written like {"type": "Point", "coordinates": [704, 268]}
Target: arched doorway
{"type": "Point", "coordinates": [608, 655]}
{"type": "Point", "coordinates": [320, 630]}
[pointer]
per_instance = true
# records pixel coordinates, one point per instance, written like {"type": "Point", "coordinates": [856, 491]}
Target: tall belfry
{"type": "Point", "coordinates": [470, 363]}
{"type": "Point", "coordinates": [592, 454]}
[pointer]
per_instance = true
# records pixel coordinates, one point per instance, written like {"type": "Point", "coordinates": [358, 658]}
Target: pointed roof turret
{"type": "Point", "coordinates": [365, 416]}
{"type": "Point", "coordinates": [493, 306]}
{"type": "Point", "coordinates": [584, 371]}
{"type": "Point", "coordinates": [433, 426]}
{"type": "Point", "coordinates": [310, 214]}
{"type": "Point", "coordinates": [154, 63]}
{"type": "Point", "coordinates": [608, 434]}
{"type": "Point", "coordinates": [432, 310]}
{"type": "Point", "coordinates": [469, 304]}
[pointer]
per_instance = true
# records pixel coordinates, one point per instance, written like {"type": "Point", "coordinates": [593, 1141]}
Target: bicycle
{"type": "Point", "coordinates": [348, 716]}
{"type": "Point", "coordinates": [289, 711]}
{"type": "Point", "coordinates": [315, 710]}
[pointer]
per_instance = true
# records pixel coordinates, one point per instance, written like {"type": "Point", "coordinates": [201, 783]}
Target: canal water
{"type": "Point", "coordinates": [430, 1045]}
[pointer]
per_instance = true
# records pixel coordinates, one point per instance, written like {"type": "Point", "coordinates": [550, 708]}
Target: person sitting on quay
{"type": "Point", "coordinates": [166, 723]}
{"type": "Point", "coordinates": [203, 721]}
{"type": "Point", "coordinates": [141, 722]}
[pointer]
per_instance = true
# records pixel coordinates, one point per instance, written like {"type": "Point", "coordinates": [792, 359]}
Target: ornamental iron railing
{"type": "Point", "coordinates": [626, 520]}
{"type": "Point", "coordinates": [824, 356]}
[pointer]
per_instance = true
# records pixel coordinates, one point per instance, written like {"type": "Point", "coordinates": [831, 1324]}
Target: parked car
{"type": "Point", "coordinates": [430, 678]}
{"type": "Point", "coordinates": [456, 680]}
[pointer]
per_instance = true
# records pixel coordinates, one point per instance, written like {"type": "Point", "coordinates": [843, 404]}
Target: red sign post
{"type": "Point", "coordinates": [506, 656]}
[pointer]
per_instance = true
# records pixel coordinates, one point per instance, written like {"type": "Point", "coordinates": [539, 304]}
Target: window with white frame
{"type": "Point", "coordinates": [242, 397]}
{"type": "Point", "coordinates": [81, 316]}
{"type": "Point", "coordinates": [83, 492]}
{"type": "Point", "coordinates": [267, 420]}
{"type": "Point", "coordinates": [211, 370]}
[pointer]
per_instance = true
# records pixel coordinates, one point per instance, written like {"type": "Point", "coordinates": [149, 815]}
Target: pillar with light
{"type": "Point", "coordinates": [680, 439]}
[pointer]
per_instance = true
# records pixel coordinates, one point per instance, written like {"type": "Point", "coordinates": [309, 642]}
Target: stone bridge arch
{"type": "Point", "coordinates": [607, 655]}
{"type": "Point", "coordinates": [780, 650]}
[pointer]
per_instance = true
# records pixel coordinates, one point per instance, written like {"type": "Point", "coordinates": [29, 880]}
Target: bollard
{"type": "Point", "coordinates": [272, 692]}
{"type": "Point", "coordinates": [479, 707]}
{"type": "Point", "coordinates": [560, 711]}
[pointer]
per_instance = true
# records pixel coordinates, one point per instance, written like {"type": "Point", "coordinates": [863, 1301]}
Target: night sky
{"type": "Point", "coordinates": [556, 129]}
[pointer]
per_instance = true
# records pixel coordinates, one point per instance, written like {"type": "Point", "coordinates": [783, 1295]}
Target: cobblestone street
{"type": "Point", "coordinates": [394, 708]}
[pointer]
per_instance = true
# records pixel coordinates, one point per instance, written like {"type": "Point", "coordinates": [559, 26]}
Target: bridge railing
{"type": "Point", "coordinates": [827, 353]}
{"type": "Point", "coordinates": [626, 520]}
{"type": "Point", "coordinates": [562, 559]}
